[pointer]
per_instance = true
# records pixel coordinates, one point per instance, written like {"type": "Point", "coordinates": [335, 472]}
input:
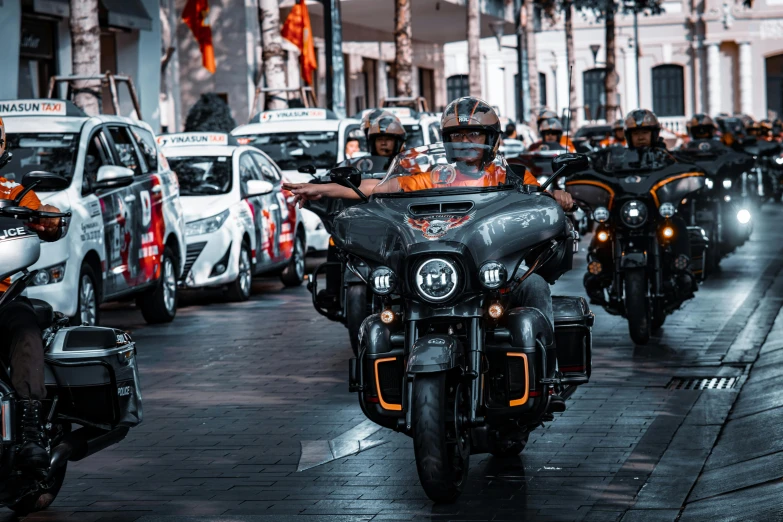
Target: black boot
{"type": "Point", "coordinates": [33, 453]}
{"type": "Point", "coordinates": [556, 404]}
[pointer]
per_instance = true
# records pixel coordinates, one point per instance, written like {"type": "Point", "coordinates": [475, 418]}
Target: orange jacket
{"type": "Point", "coordinates": [9, 190]}
{"type": "Point", "coordinates": [492, 176]}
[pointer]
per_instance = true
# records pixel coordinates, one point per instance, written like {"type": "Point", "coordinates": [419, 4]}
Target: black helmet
{"type": "Point", "coordinates": [474, 114]}
{"type": "Point", "coordinates": [700, 125]}
{"type": "Point", "coordinates": [642, 119]}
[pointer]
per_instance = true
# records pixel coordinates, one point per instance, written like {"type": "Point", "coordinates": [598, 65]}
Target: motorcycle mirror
{"type": "Point", "coordinates": [565, 164]}
{"type": "Point", "coordinates": [348, 176]}
{"type": "Point", "coordinates": [307, 169]}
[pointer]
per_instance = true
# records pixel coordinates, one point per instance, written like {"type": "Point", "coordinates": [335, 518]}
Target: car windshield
{"type": "Point", "coordinates": [458, 165]}
{"type": "Point", "coordinates": [415, 136]}
{"type": "Point", "coordinates": [291, 150]}
{"type": "Point", "coordinates": [621, 159]}
{"type": "Point", "coordinates": [50, 152]}
{"type": "Point", "coordinates": [202, 175]}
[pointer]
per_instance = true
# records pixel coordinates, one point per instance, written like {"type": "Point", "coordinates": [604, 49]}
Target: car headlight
{"type": "Point", "coordinates": [383, 281]}
{"type": "Point", "coordinates": [727, 183]}
{"type": "Point", "coordinates": [493, 274]}
{"type": "Point", "coordinates": [601, 214]}
{"type": "Point", "coordinates": [708, 183]}
{"type": "Point", "coordinates": [436, 279]}
{"type": "Point", "coordinates": [47, 276]}
{"type": "Point", "coordinates": [633, 213]}
{"type": "Point", "coordinates": [206, 225]}
{"type": "Point", "coordinates": [667, 210]}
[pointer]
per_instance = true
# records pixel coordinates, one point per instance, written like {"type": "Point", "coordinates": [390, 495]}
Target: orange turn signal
{"type": "Point", "coordinates": [602, 236]}
{"type": "Point", "coordinates": [668, 232]}
{"type": "Point", "coordinates": [495, 310]}
{"type": "Point", "coordinates": [388, 316]}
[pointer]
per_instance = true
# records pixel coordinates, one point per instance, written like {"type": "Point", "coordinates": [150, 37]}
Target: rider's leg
{"type": "Point", "coordinates": [534, 293]}
{"type": "Point", "coordinates": [22, 346]}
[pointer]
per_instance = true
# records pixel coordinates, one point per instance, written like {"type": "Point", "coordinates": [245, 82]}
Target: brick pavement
{"type": "Point", "coordinates": [230, 390]}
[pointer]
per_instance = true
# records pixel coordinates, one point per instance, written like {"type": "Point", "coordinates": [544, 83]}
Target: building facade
{"type": "Point", "coordinates": [713, 56]}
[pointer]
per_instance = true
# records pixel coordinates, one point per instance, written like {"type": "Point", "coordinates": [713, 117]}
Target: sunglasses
{"type": "Point", "coordinates": [465, 135]}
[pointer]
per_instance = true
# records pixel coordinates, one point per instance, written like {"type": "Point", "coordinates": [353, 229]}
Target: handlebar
{"type": "Point", "coordinates": [28, 213]}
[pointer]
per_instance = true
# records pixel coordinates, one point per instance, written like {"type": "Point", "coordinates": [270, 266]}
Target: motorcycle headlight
{"type": "Point", "coordinates": [206, 225]}
{"type": "Point", "coordinates": [542, 179]}
{"type": "Point", "coordinates": [667, 210]}
{"type": "Point", "coordinates": [779, 160]}
{"type": "Point", "coordinates": [601, 214]}
{"type": "Point", "coordinates": [708, 183]}
{"type": "Point", "coordinates": [493, 274]}
{"type": "Point", "coordinates": [436, 279]}
{"type": "Point", "coordinates": [633, 213]}
{"type": "Point", "coordinates": [383, 280]}
{"type": "Point", "coordinates": [727, 183]}
{"type": "Point", "coordinates": [743, 216]}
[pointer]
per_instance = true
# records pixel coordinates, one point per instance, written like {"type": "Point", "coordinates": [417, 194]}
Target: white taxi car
{"type": "Point", "coordinates": [127, 233]}
{"type": "Point", "coordinates": [238, 221]}
{"type": "Point", "coordinates": [295, 138]}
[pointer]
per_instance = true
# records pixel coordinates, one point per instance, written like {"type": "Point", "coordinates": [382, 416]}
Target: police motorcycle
{"type": "Point", "coordinates": [634, 269]}
{"type": "Point", "coordinates": [339, 289]}
{"type": "Point", "coordinates": [724, 207]}
{"type": "Point", "coordinates": [447, 360]}
{"type": "Point", "coordinates": [91, 375]}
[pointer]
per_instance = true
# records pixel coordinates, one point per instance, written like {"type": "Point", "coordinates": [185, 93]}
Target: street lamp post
{"type": "Point", "coordinates": [636, 54]}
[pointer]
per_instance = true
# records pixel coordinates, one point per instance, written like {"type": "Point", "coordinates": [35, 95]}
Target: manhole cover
{"type": "Point", "coordinates": [701, 383]}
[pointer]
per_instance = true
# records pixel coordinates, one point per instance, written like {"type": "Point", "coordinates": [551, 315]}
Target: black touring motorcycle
{"type": "Point", "coordinates": [640, 201]}
{"type": "Point", "coordinates": [91, 375]}
{"type": "Point", "coordinates": [448, 361]}
{"type": "Point", "coordinates": [339, 289]}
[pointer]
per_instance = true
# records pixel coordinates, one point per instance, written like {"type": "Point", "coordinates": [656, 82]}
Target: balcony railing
{"type": "Point", "coordinates": [676, 124]}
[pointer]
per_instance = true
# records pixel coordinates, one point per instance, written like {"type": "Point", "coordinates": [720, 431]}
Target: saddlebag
{"type": "Point", "coordinates": [700, 242]}
{"type": "Point", "coordinates": [573, 339]}
{"type": "Point", "coordinates": [93, 373]}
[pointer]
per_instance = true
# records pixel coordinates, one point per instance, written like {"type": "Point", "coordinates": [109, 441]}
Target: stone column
{"type": "Point", "coordinates": [746, 78]}
{"type": "Point", "coordinates": [713, 78]}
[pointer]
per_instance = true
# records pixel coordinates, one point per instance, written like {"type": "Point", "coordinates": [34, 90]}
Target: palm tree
{"type": "Point", "coordinates": [85, 52]}
{"type": "Point", "coordinates": [274, 66]}
{"type": "Point", "coordinates": [403, 51]}
{"type": "Point", "coordinates": [474, 51]}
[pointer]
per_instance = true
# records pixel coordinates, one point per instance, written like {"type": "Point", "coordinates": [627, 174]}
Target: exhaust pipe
{"type": "Point", "coordinates": [83, 443]}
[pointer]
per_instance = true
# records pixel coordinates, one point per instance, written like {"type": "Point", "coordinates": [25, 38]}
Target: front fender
{"type": "Point", "coordinates": [434, 353]}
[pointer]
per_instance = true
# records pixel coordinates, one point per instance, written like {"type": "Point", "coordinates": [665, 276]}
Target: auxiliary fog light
{"type": "Point", "coordinates": [495, 310]}
{"type": "Point", "coordinates": [493, 274]}
{"type": "Point", "coordinates": [601, 214]}
{"type": "Point", "coordinates": [726, 198]}
{"type": "Point", "coordinates": [668, 232]}
{"type": "Point", "coordinates": [595, 268]}
{"type": "Point", "coordinates": [603, 236]}
{"type": "Point", "coordinates": [727, 183]}
{"type": "Point", "coordinates": [743, 216]}
{"type": "Point", "coordinates": [681, 262]}
{"type": "Point", "coordinates": [667, 210]}
{"type": "Point", "coordinates": [388, 316]}
{"type": "Point", "coordinates": [708, 183]}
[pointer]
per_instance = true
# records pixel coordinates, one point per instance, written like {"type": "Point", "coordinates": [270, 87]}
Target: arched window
{"type": "Point", "coordinates": [668, 91]}
{"type": "Point", "coordinates": [594, 93]}
{"type": "Point", "coordinates": [456, 87]}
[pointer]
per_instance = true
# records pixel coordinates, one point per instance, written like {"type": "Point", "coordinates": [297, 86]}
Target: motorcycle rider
{"type": "Point", "coordinates": [385, 137]}
{"type": "Point", "coordinates": [551, 131]}
{"type": "Point", "coordinates": [21, 342]}
{"type": "Point", "coordinates": [618, 135]}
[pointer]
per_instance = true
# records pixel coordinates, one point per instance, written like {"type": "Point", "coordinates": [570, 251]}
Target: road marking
{"type": "Point", "coordinates": [352, 442]}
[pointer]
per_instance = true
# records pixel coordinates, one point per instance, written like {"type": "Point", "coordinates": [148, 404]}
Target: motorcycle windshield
{"type": "Point", "coordinates": [463, 167]}
{"type": "Point", "coordinates": [618, 160]}
{"type": "Point", "coordinates": [716, 158]}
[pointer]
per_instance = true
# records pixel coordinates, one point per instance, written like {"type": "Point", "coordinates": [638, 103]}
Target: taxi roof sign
{"type": "Point", "coordinates": [401, 112]}
{"type": "Point", "coordinates": [195, 139]}
{"type": "Point", "coordinates": [281, 115]}
{"type": "Point", "coordinates": [39, 107]}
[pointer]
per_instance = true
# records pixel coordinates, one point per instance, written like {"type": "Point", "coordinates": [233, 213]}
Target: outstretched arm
{"type": "Point", "coordinates": [312, 191]}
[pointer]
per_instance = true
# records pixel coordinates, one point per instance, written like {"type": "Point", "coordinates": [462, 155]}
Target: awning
{"type": "Point", "coordinates": [127, 14]}
{"type": "Point", "coordinates": [61, 8]}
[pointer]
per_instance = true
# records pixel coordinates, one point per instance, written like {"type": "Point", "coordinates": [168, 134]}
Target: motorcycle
{"type": "Point", "coordinates": [769, 165]}
{"type": "Point", "coordinates": [727, 203]}
{"type": "Point", "coordinates": [344, 297]}
{"type": "Point", "coordinates": [447, 360]}
{"type": "Point", "coordinates": [632, 268]}
{"type": "Point", "coordinates": [91, 375]}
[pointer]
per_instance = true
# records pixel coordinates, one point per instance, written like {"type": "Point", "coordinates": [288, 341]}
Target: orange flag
{"type": "Point", "coordinates": [196, 16]}
{"type": "Point", "coordinates": [297, 30]}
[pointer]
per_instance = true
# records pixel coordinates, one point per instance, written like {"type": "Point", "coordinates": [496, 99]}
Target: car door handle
{"type": "Point", "coordinates": [273, 207]}
{"type": "Point", "coordinates": [156, 189]}
{"type": "Point", "coordinates": [130, 198]}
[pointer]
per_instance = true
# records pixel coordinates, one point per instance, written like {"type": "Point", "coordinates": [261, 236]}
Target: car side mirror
{"type": "Point", "coordinates": [113, 176]}
{"type": "Point", "coordinates": [44, 181]}
{"type": "Point", "coordinates": [570, 162]}
{"type": "Point", "coordinates": [259, 187]}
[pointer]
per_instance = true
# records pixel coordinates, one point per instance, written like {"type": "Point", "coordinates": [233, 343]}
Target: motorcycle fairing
{"type": "Point", "coordinates": [719, 161]}
{"type": "Point", "coordinates": [434, 353]}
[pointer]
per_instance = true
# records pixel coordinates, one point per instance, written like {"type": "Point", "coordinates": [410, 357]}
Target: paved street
{"type": "Point", "coordinates": [231, 391]}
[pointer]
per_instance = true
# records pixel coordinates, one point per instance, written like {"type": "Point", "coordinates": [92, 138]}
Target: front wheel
{"type": "Point", "coordinates": [239, 290]}
{"type": "Point", "coordinates": [441, 442]}
{"type": "Point", "coordinates": [294, 272]}
{"type": "Point", "coordinates": [88, 306]}
{"type": "Point", "coordinates": [159, 305]}
{"type": "Point", "coordinates": [355, 313]}
{"type": "Point", "coordinates": [637, 306]}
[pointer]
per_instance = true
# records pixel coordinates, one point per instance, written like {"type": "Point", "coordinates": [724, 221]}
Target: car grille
{"type": "Point", "coordinates": [192, 254]}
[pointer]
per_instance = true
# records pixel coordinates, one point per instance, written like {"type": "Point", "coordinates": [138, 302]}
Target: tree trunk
{"type": "Point", "coordinates": [532, 67]}
{"type": "Point", "coordinates": [474, 50]}
{"type": "Point", "coordinates": [86, 52]}
{"type": "Point", "coordinates": [403, 51]}
{"type": "Point", "coordinates": [610, 81]}
{"type": "Point", "coordinates": [272, 42]}
{"type": "Point", "coordinates": [568, 8]}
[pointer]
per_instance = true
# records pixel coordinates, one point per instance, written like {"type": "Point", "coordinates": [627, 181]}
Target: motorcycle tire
{"type": "Point", "coordinates": [294, 272]}
{"type": "Point", "coordinates": [442, 466]}
{"type": "Point", "coordinates": [159, 305]}
{"type": "Point", "coordinates": [240, 289]}
{"type": "Point", "coordinates": [503, 450]}
{"type": "Point", "coordinates": [637, 306]}
{"type": "Point", "coordinates": [355, 313]}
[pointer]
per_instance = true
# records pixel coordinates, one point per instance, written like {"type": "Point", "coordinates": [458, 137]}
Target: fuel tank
{"type": "Point", "coordinates": [19, 246]}
{"type": "Point", "coordinates": [494, 225]}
